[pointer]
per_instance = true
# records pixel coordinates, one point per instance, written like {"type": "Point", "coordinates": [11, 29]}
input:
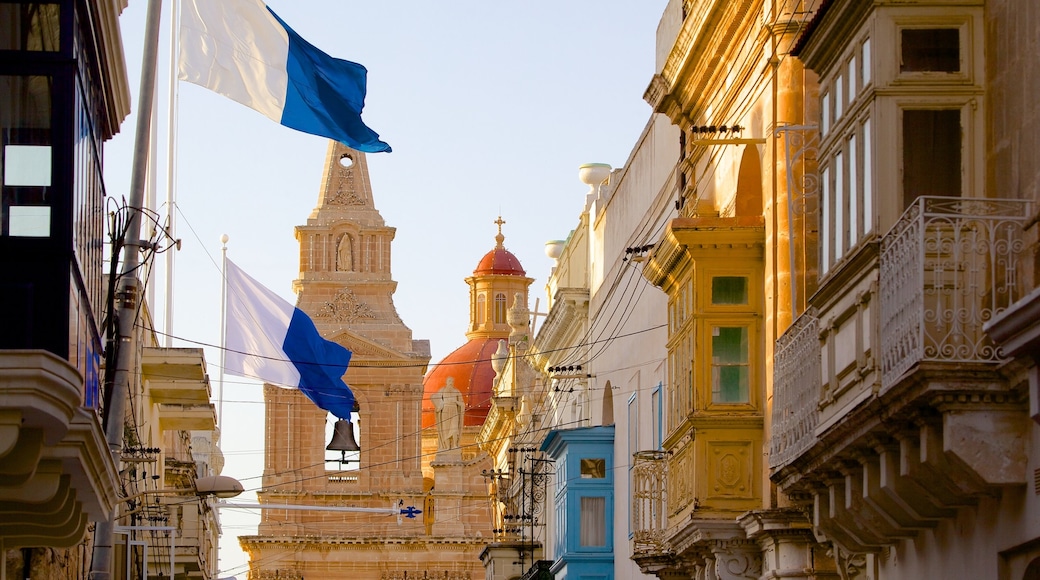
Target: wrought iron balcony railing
{"type": "Point", "coordinates": [540, 570]}
{"type": "Point", "coordinates": [796, 390]}
{"type": "Point", "coordinates": [947, 267]}
{"type": "Point", "coordinates": [649, 502]}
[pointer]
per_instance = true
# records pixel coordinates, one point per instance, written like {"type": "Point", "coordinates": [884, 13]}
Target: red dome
{"type": "Point", "coordinates": [470, 366]}
{"type": "Point", "coordinates": [499, 261]}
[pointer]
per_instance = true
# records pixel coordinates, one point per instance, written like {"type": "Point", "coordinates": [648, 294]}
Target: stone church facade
{"type": "Point", "coordinates": [345, 285]}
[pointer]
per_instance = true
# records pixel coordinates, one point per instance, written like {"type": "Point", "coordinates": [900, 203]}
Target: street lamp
{"type": "Point", "coordinates": [220, 486]}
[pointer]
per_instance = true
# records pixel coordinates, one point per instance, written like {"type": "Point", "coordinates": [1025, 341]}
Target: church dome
{"type": "Point", "coordinates": [498, 278]}
{"type": "Point", "coordinates": [470, 366]}
{"type": "Point", "coordinates": [499, 261]}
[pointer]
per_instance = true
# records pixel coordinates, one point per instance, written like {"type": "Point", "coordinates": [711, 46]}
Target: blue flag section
{"type": "Point", "coordinates": [269, 339]}
{"type": "Point", "coordinates": [321, 364]}
{"type": "Point", "coordinates": [325, 96]}
{"type": "Point", "coordinates": [244, 51]}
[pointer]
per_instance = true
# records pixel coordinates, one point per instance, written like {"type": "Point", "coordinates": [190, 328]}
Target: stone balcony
{"type": "Point", "coordinates": [175, 379]}
{"type": "Point", "coordinates": [889, 407]}
{"type": "Point", "coordinates": [56, 471]}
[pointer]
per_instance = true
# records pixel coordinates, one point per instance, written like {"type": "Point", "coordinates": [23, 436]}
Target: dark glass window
{"type": "Point", "coordinates": [30, 26]}
{"type": "Point", "coordinates": [88, 197]}
{"type": "Point", "coordinates": [930, 50]}
{"type": "Point", "coordinates": [729, 290]}
{"type": "Point", "coordinates": [26, 154]}
{"type": "Point", "coordinates": [931, 153]}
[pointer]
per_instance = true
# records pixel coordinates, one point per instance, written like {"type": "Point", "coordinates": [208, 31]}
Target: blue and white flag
{"type": "Point", "coordinates": [269, 339]}
{"type": "Point", "coordinates": [244, 51]}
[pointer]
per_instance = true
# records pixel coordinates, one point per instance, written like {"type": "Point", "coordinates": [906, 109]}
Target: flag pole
{"type": "Point", "coordinates": [223, 328]}
{"type": "Point", "coordinates": [128, 294]}
{"type": "Point", "coordinates": [171, 169]}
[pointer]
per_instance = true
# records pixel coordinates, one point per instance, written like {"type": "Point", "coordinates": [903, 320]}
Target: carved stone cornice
{"type": "Point", "coordinates": [565, 320]}
{"type": "Point", "coordinates": [686, 239]}
{"type": "Point", "coordinates": [780, 521]}
{"type": "Point", "coordinates": [702, 49]}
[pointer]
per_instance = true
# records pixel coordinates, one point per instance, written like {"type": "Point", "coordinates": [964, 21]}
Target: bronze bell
{"type": "Point", "coordinates": [343, 438]}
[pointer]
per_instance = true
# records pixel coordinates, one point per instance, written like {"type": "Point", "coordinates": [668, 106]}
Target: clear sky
{"type": "Point", "coordinates": [490, 108]}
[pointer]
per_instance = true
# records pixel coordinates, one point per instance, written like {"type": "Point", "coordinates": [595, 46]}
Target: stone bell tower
{"type": "Point", "coordinates": [345, 285]}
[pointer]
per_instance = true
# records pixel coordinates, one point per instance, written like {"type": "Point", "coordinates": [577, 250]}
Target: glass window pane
{"type": "Point", "coordinates": [839, 207]}
{"type": "Point", "coordinates": [853, 89]}
{"type": "Point", "coordinates": [931, 50]}
{"type": "Point", "coordinates": [826, 232]}
{"type": "Point", "coordinates": [27, 165]}
{"type": "Point", "coordinates": [30, 221]}
{"type": "Point", "coordinates": [868, 184]}
{"type": "Point", "coordinates": [854, 201]}
{"type": "Point", "coordinates": [866, 62]}
{"type": "Point", "coordinates": [730, 376]}
{"type": "Point", "coordinates": [825, 113]}
{"type": "Point", "coordinates": [729, 290]}
{"type": "Point", "coordinates": [25, 154]}
{"type": "Point", "coordinates": [655, 419]}
{"type": "Point", "coordinates": [593, 468]}
{"type": "Point", "coordinates": [633, 425]}
{"type": "Point", "coordinates": [30, 26]}
{"type": "Point", "coordinates": [839, 97]}
{"type": "Point", "coordinates": [593, 522]}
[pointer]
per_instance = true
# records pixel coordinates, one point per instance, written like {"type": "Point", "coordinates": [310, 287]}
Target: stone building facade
{"type": "Point", "coordinates": [888, 297]}
{"type": "Point", "coordinates": [345, 285]}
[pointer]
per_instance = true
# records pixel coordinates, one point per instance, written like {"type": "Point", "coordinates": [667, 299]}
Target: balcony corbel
{"type": "Point", "coordinates": [983, 438]}
{"type": "Point", "coordinates": [866, 516]}
{"type": "Point", "coordinates": [835, 516]}
{"type": "Point", "coordinates": [887, 493]}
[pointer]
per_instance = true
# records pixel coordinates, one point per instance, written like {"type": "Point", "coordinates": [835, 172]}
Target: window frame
{"type": "Point", "coordinates": [848, 156]}
{"type": "Point", "coordinates": [748, 362]}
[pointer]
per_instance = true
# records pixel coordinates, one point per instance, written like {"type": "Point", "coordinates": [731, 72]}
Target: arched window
{"type": "Point", "coordinates": [481, 309]}
{"type": "Point", "coordinates": [500, 308]}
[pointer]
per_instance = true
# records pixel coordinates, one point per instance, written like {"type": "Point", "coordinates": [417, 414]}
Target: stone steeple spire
{"type": "Point", "coordinates": [345, 257]}
{"type": "Point", "coordinates": [346, 184]}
